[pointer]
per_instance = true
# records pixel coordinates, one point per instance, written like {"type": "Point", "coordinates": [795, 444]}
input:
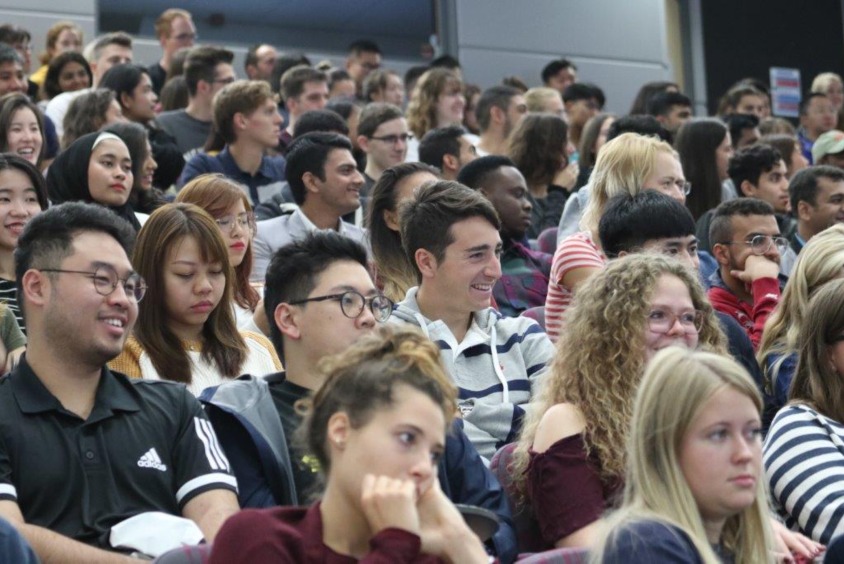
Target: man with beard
{"type": "Point", "coordinates": [499, 110]}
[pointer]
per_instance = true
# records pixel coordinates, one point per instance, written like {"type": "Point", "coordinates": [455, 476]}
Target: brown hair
{"type": "Point", "coordinates": [816, 382]}
{"type": "Point", "coordinates": [215, 193]}
{"type": "Point", "coordinates": [240, 97]}
{"type": "Point", "coordinates": [53, 36]}
{"type": "Point", "coordinates": [223, 344]}
{"type": "Point", "coordinates": [538, 147]}
{"type": "Point", "coordinates": [165, 20]}
{"type": "Point", "coordinates": [422, 108]}
{"type": "Point", "coordinates": [361, 380]}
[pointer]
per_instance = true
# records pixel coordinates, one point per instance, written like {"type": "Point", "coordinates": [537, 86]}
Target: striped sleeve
{"type": "Point", "coordinates": [576, 251]}
{"type": "Point", "coordinates": [804, 465]}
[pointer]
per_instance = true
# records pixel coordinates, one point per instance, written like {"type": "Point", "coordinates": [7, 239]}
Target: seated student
{"type": "Point", "coordinates": [653, 222]}
{"type": "Point", "coordinates": [88, 113]}
{"type": "Point", "coordinates": [448, 149]}
{"type": "Point", "coordinates": [383, 85]}
{"type": "Point", "coordinates": [627, 164]}
{"type": "Point", "coordinates": [695, 488]}
{"type": "Point", "coordinates": [817, 201]}
{"type": "Point", "coordinates": [227, 202]}
{"type": "Point", "coordinates": [303, 88]}
{"type": "Point", "coordinates": [576, 205]}
{"type": "Point", "coordinates": [96, 168]}
{"type": "Point", "coordinates": [524, 272]}
{"type": "Point", "coordinates": [376, 427]}
{"type": "Point", "coordinates": [186, 329]}
{"type": "Point", "coordinates": [62, 37]}
{"type": "Point", "coordinates": [145, 198]}
{"type": "Point", "coordinates": [451, 234]}
{"type": "Point", "coordinates": [803, 457]}
{"type": "Point", "coordinates": [818, 263]}
{"type": "Point", "coordinates": [68, 72]}
{"type": "Point", "coordinates": [747, 244]}
{"type": "Point", "coordinates": [300, 274]}
{"type": "Point", "coordinates": [63, 489]}
{"type": "Point", "coordinates": [247, 119]}
{"type": "Point", "coordinates": [382, 135]}
{"type": "Point", "coordinates": [326, 184]}
{"type": "Point", "coordinates": [671, 109]}
{"type": "Point", "coordinates": [538, 146]}
{"type": "Point", "coordinates": [569, 461]}
{"type": "Point", "coordinates": [134, 93]}
{"type": "Point", "coordinates": [394, 271]}
{"type": "Point", "coordinates": [22, 128]}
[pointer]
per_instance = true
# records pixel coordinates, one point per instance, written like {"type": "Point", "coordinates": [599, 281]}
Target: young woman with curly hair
{"type": "Point", "coordinates": [570, 459]}
{"type": "Point", "coordinates": [437, 101]}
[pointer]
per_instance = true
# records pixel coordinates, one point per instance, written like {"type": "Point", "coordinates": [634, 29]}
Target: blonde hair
{"type": "Point", "coordinates": [599, 370]}
{"type": "Point", "coordinates": [537, 97]}
{"type": "Point", "coordinates": [676, 386]}
{"type": "Point", "coordinates": [422, 108]}
{"type": "Point", "coordinates": [621, 168]}
{"type": "Point", "coordinates": [820, 261]}
{"type": "Point", "coordinates": [823, 81]}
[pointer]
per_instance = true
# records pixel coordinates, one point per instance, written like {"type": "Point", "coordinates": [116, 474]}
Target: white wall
{"type": "Point", "coordinates": [617, 45]}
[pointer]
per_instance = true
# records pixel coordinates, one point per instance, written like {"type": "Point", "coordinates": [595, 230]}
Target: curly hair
{"type": "Point", "coordinates": [538, 147]}
{"type": "Point", "coordinates": [818, 263]}
{"type": "Point", "coordinates": [422, 108]}
{"type": "Point", "coordinates": [599, 370]}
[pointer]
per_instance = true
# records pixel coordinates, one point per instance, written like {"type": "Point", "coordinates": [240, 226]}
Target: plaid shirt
{"type": "Point", "coordinates": [524, 279]}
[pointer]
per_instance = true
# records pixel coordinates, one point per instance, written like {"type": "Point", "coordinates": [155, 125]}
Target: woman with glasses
{"type": "Point", "coordinates": [436, 101]}
{"type": "Point", "coordinates": [570, 460]}
{"type": "Point", "coordinates": [627, 164]}
{"type": "Point", "coordinates": [227, 202]}
{"type": "Point", "coordinates": [376, 429]}
{"type": "Point", "coordinates": [820, 261]}
{"type": "Point", "coordinates": [804, 449]}
{"type": "Point", "coordinates": [186, 331]}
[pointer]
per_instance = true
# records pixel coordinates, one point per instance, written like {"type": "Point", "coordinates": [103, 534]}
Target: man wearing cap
{"type": "Point", "coordinates": [829, 149]}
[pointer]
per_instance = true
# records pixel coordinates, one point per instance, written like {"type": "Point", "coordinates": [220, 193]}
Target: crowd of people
{"type": "Point", "coordinates": [336, 313]}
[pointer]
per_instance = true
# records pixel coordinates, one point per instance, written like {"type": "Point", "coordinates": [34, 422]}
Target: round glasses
{"type": "Point", "coordinates": [662, 321]}
{"type": "Point", "coordinates": [106, 280]}
{"type": "Point", "coordinates": [761, 244]}
{"type": "Point", "coordinates": [352, 304]}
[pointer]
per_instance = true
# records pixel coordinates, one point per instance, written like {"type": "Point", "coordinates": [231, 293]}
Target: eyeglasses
{"type": "Point", "coordinates": [761, 244]}
{"type": "Point", "coordinates": [394, 139]}
{"type": "Point", "coordinates": [227, 80]}
{"type": "Point", "coordinates": [243, 220]}
{"type": "Point", "coordinates": [681, 185]}
{"type": "Point", "coordinates": [182, 37]}
{"type": "Point", "coordinates": [352, 304]}
{"type": "Point", "coordinates": [662, 321]}
{"type": "Point", "coordinates": [106, 281]}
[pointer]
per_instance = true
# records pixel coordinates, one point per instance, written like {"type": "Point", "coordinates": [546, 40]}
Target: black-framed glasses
{"type": "Point", "coordinates": [761, 244]}
{"type": "Point", "coordinates": [394, 139]}
{"type": "Point", "coordinates": [352, 304]}
{"type": "Point", "coordinates": [243, 220]}
{"type": "Point", "coordinates": [106, 280]}
{"type": "Point", "coordinates": [660, 321]}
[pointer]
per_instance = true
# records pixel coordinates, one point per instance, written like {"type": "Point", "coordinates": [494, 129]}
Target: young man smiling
{"type": "Point", "coordinates": [450, 234]}
{"type": "Point", "coordinates": [524, 272]}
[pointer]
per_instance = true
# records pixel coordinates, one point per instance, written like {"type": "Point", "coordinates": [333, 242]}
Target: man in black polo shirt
{"type": "Point", "coordinates": [81, 448]}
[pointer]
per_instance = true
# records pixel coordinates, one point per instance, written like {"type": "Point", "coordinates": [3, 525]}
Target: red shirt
{"type": "Point", "coordinates": [752, 317]}
{"type": "Point", "coordinates": [294, 534]}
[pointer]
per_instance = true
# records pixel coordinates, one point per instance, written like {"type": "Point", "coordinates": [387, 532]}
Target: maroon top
{"type": "Point", "coordinates": [294, 534]}
{"type": "Point", "coordinates": [566, 490]}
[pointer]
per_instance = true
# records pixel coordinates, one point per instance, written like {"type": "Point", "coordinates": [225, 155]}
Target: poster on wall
{"type": "Point", "coordinates": [785, 92]}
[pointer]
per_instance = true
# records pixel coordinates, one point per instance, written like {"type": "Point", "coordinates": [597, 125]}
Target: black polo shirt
{"type": "Point", "coordinates": [146, 446]}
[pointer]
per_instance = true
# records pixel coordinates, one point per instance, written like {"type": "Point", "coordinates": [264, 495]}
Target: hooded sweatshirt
{"type": "Point", "coordinates": [495, 367]}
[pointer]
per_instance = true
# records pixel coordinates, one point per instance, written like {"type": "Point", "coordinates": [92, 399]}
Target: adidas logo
{"type": "Point", "coordinates": [150, 460]}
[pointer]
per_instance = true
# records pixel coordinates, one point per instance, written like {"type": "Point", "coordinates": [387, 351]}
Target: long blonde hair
{"type": "Point", "coordinates": [676, 386]}
{"type": "Point", "coordinates": [621, 168]}
{"type": "Point", "coordinates": [820, 261]}
{"type": "Point", "coordinates": [599, 370]}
